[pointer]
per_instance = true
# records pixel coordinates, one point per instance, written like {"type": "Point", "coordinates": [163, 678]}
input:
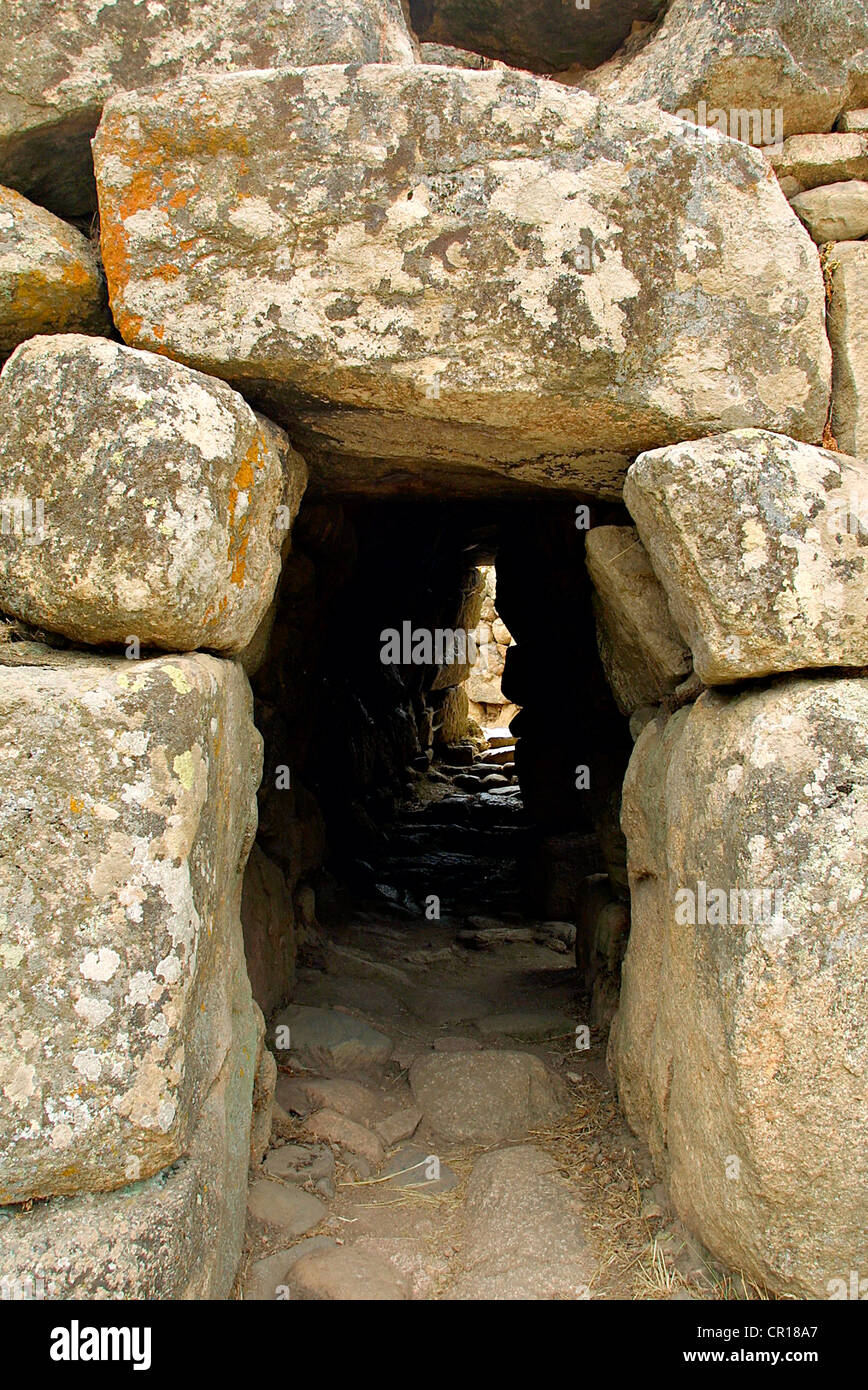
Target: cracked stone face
{"type": "Point", "coordinates": [460, 279]}
{"type": "Point", "coordinates": [127, 812]}
{"type": "Point", "coordinates": [59, 63]}
{"type": "Point", "coordinates": [145, 500]}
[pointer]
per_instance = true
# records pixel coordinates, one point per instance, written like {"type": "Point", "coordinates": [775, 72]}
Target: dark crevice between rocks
{"type": "Point", "coordinates": [541, 36]}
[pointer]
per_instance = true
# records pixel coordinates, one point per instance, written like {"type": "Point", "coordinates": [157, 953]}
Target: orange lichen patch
{"type": "Point", "coordinates": [77, 274]}
{"type": "Point", "coordinates": [244, 481]}
{"type": "Point", "coordinates": [128, 325]}
{"type": "Point", "coordinates": [212, 136]}
{"type": "Point", "coordinates": [158, 331]}
{"type": "Point", "coordinates": [158, 156]}
{"type": "Point", "coordinates": [147, 187]}
{"type": "Point", "coordinates": [141, 194]}
{"type": "Point", "coordinates": [42, 295]}
{"type": "Point", "coordinates": [240, 563]}
{"type": "Point", "coordinates": [245, 477]}
{"type": "Point", "coordinates": [76, 806]}
{"type": "Point", "coordinates": [168, 271]}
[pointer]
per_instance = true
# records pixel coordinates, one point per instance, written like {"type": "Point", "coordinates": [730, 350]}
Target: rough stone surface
{"type": "Point", "coordinates": [527, 1023]}
{"type": "Point", "coordinates": [356, 1139]}
{"type": "Point", "coordinates": [643, 821]}
{"type": "Point", "coordinates": [744, 1039]}
{"type": "Point", "coordinates": [128, 811]}
{"type": "Point", "coordinates": [761, 544]}
{"type": "Point", "coordinates": [285, 1205]}
{"type": "Point", "coordinates": [446, 1005]}
{"type": "Point", "coordinates": [267, 1278]}
{"type": "Point", "coordinates": [51, 279]}
{"type": "Point", "coordinates": [416, 1168]}
{"type": "Point", "coordinates": [452, 57]}
{"type": "Point", "coordinates": [306, 1093]}
{"type": "Point", "coordinates": [478, 314]}
{"type": "Point", "coordinates": [848, 334]}
{"type": "Point", "coordinates": [326, 1040]}
{"type": "Point", "coordinates": [809, 161]}
{"type": "Point", "coordinates": [264, 1082]}
{"type": "Point", "coordinates": [485, 1096]}
{"type": "Point", "coordinates": [346, 1275]}
{"type": "Point", "coordinates": [452, 716]}
{"type": "Point", "coordinates": [161, 494]}
{"type": "Point", "coordinates": [301, 1163]}
{"type": "Point", "coordinates": [837, 212]}
{"type": "Point", "coordinates": [809, 60]}
{"type": "Point", "coordinates": [176, 1235]}
{"type": "Point", "coordinates": [401, 1124]}
{"type": "Point", "coordinates": [853, 121]}
{"type": "Point", "coordinates": [542, 35]}
{"type": "Point", "coordinates": [608, 943]}
{"type": "Point", "coordinates": [268, 919]}
{"type": "Point", "coordinates": [58, 66]}
{"type": "Point", "coordinates": [642, 651]}
{"type": "Point", "coordinates": [523, 1232]}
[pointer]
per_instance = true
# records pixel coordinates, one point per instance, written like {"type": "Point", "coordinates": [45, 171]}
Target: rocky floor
{"type": "Point", "coordinates": [441, 1130]}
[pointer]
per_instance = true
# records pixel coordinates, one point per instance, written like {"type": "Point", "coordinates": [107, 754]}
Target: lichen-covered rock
{"type": "Point", "coordinates": [810, 60]}
{"type": "Point", "coordinates": [740, 1050]}
{"type": "Point", "coordinates": [848, 333]}
{"type": "Point", "coordinates": [128, 810]}
{"type": "Point", "coordinates": [51, 280]}
{"type": "Point", "coordinates": [176, 1235]}
{"type": "Point", "coordinates": [158, 501]}
{"type": "Point", "coordinates": [58, 66]}
{"type": "Point", "coordinates": [543, 35]}
{"type": "Point", "coordinates": [761, 544]}
{"type": "Point", "coordinates": [642, 652]}
{"type": "Point", "coordinates": [445, 275]}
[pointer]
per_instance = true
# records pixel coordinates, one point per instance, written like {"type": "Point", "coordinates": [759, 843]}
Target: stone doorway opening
{"type": "Point", "coordinates": [371, 705]}
{"type": "Point", "coordinates": [425, 888]}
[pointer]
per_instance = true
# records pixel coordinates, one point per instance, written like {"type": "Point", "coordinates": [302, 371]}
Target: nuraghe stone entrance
{"type": "Point", "coordinates": [314, 982]}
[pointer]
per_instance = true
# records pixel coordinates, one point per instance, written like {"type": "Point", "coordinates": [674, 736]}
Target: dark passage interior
{"type": "Point", "coordinates": [437, 905]}
{"type": "Point", "coordinates": [381, 796]}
